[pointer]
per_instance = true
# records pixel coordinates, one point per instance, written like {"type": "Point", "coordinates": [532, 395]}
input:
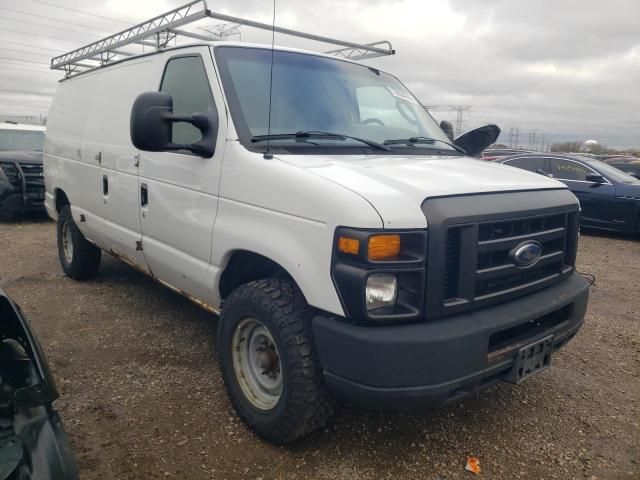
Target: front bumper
{"type": "Point", "coordinates": [12, 201]}
{"type": "Point", "coordinates": [433, 363]}
{"type": "Point", "coordinates": [27, 190]}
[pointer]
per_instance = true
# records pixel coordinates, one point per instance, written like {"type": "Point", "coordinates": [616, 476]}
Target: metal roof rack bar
{"type": "Point", "coordinates": [160, 30]}
{"type": "Point", "coordinates": [360, 53]}
{"type": "Point", "coordinates": [296, 33]}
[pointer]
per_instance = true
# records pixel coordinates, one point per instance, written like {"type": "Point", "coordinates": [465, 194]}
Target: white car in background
{"type": "Point", "coordinates": [21, 176]}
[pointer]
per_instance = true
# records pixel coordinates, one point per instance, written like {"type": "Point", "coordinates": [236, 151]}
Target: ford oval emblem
{"type": "Point", "coordinates": [526, 253]}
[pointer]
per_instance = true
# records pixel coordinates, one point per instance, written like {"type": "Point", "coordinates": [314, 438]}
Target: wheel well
{"type": "Point", "coordinates": [61, 200]}
{"type": "Point", "coordinates": [245, 266]}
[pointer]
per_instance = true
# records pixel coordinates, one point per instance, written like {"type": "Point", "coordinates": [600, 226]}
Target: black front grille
{"type": "Point", "coordinates": [494, 272]}
{"type": "Point", "coordinates": [28, 179]}
{"type": "Point", "coordinates": [11, 171]}
{"type": "Point", "coordinates": [452, 263]}
{"type": "Point", "coordinates": [33, 175]}
{"type": "Point", "coordinates": [469, 265]}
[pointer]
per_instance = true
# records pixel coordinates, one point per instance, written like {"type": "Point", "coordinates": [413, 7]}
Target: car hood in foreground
{"type": "Point", "coordinates": [397, 185]}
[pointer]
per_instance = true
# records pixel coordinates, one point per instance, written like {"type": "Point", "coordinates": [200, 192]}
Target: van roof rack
{"type": "Point", "coordinates": [159, 31]}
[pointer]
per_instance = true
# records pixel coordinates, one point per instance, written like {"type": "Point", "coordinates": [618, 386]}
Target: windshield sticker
{"type": "Point", "coordinates": [403, 95]}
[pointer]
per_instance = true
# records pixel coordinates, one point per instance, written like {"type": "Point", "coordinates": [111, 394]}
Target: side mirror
{"type": "Point", "coordinates": [447, 128]}
{"type": "Point", "coordinates": [634, 174]}
{"type": "Point", "coordinates": [475, 141]}
{"type": "Point", "coordinates": [151, 124]}
{"type": "Point", "coordinates": [595, 178]}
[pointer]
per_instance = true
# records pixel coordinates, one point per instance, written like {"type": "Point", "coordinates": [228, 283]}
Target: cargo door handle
{"type": "Point", "coordinates": [144, 195]}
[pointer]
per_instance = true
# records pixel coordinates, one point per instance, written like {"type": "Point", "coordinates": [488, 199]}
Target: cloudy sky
{"type": "Point", "coordinates": [566, 69]}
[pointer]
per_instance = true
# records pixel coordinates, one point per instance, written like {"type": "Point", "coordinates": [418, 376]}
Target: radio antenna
{"type": "Point", "coordinates": [268, 155]}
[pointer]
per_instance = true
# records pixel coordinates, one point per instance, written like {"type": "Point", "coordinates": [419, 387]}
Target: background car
{"type": "Point", "coordinates": [21, 173]}
{"type": "Point", "coordinates": [33, 443]}
{"type": "Point", "coordinates": [609, 198]}
{"type": "Point", "coordinates": [629, 166]}
{"type": "Point", "coordinates": [492, 154]}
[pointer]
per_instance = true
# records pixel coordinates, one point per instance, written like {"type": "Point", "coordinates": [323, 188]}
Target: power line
{"type": "Point", "coordinates": [50, 26]}
{"type": "Point", "coordinates": [41, 36]}
{"type": "Point", "coordinates": [25, 51]}
{"type": "Point", "coordinates": [81, 11]}
{"type": "Point", "coordinates": [9, 59]}
{"type": "Point", "coordinates": [32, 46]}
{"type": "Point", "coordinates": [29, 14]}
{"type": "Point", "coordinates": [35, 70]}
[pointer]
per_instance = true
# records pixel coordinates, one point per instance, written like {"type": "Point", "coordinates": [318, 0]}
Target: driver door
{"type": "Point", "coordinates": [179, 190]}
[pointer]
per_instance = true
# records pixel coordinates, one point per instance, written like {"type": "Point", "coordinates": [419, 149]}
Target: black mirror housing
{"type": "Point", "coordinates": [595, 178]}
{"type": "Point", "coordinates": [152, 119]}
{"type": "Point", "coordinates": [475, 141]}
{"type": "Point", "coordinates": [447, 128]}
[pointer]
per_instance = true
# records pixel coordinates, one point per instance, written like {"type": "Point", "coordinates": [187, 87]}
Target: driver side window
{"type": "Point", "coordinates": [377, 105]}
{"type": "Point", "coordinates": [185, 79]}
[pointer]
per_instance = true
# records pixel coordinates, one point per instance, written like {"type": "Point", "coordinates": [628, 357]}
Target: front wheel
{"type": "Point", "coordinates": [79, 258]}
{"type": "Point", "coordinates": [268, 362]}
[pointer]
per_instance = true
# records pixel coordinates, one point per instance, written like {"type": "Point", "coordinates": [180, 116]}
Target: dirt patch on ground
{"type": "Point", "coordinates": [142, 397]}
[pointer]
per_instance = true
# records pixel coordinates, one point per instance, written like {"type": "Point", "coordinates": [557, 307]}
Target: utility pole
{"type": "Point", "coordinates": [460, 109]}
{"type": "Point", "coordinates": [532, 139]}
{"type": "Point", "coordinates": [223, 31]}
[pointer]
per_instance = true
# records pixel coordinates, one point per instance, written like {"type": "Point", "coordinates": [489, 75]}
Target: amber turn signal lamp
{"type": "Point", "coordinates": [383, 246]}
{"type": "Point", "coordinates": [349, 245]}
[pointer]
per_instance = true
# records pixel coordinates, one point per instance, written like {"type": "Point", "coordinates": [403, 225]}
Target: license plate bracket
{"type": "Point", "coordinates": [531, 359]}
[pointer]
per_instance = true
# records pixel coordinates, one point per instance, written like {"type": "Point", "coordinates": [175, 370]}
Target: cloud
{"type": "Point", "coordinates": [568, 69]}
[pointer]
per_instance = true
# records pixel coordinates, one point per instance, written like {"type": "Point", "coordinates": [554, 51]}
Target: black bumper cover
{"type": "Point", "coordinates": [433, 363]}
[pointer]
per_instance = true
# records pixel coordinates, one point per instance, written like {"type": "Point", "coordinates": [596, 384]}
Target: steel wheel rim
{"type": "Point", "coordinates": [257, 364]}
{"type": "Point", "coordinates": [67, 242]}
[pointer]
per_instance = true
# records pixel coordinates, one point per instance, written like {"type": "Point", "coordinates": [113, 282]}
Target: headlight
{"type": "Point", "coordinates": [381, 290]}
{"type": "Point", "coordinates": [379, 274]}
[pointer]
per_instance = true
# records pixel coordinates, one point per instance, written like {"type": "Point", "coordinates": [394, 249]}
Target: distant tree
{"type": "Point", "coordinates": [566, 147]}
{"type": "Point", "coordinates": [598, 149]}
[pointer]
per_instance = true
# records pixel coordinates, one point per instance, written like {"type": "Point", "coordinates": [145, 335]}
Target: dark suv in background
{"type": "Point", "coordinates": [21, 177]}
{"type": "Point", "coordinates": [609, 198]}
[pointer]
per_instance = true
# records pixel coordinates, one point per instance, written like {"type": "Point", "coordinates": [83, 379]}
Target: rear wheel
{"type": "Point", "coordinates": [79, 258]}
{"type": "Point", "coordinates": [268, 363]}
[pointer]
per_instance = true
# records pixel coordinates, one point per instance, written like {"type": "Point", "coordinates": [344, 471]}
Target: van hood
{"type": "Point", "coordinates": [396, 186]}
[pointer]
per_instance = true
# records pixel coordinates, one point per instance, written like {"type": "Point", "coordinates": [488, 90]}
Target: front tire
{"type": "Point", "coordinates": [268, 363]}
{"type": "Point", "coordinates": [79, 258]}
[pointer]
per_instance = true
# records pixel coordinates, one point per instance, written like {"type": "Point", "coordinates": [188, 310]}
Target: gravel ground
{"type": "Point", "coordinates": [142, 397]}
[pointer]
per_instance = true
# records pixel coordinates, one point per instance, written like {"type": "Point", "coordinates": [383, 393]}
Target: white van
{"type": "Point", "coordinates": [352, 250]}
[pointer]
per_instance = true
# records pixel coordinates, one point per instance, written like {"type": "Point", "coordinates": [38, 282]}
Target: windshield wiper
{"type": "Point", "coordinates": [302, 135]}
{"type": "Point", "coordinates": [426, 140]}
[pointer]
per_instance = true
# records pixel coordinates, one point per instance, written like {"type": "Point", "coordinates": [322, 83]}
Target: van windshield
{"type": "Point", "coordinates": [314, 93]}
{"type": "Point", "coordinates": [27, 140]}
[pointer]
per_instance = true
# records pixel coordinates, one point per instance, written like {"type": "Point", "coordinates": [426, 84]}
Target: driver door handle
{"type": "Point", "coordinates": [144, 195]}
